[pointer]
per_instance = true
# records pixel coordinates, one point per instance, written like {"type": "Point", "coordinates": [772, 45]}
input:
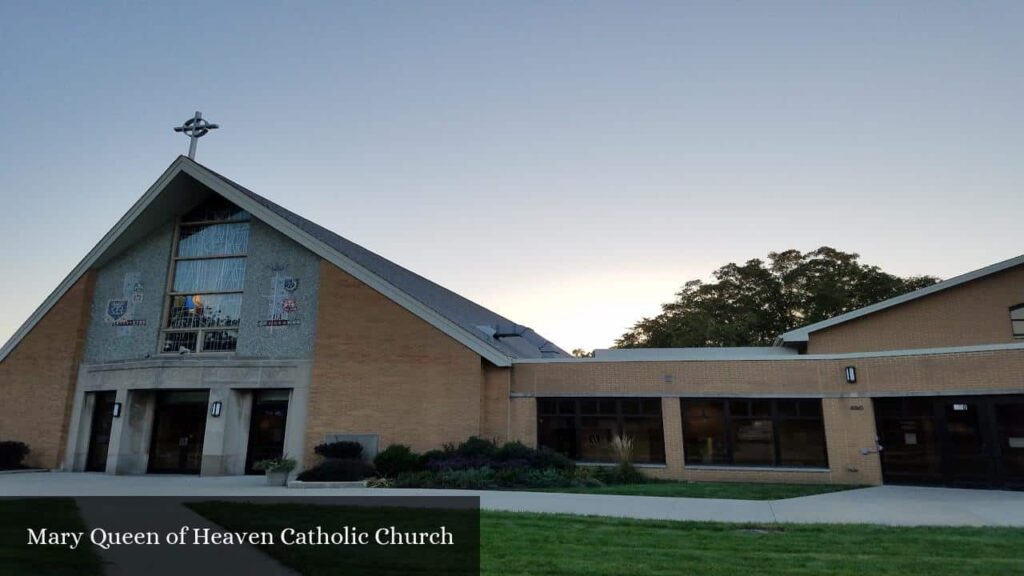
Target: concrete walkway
{"type": "Point", "coordinates": [891, 505]}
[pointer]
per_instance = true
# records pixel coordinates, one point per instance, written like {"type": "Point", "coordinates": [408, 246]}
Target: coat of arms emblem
{"type": "Point", "coordinates": [116, 309]}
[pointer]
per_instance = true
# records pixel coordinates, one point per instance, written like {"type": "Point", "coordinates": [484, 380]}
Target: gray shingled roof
{"type": "Point", "coordinates": [469, 315]}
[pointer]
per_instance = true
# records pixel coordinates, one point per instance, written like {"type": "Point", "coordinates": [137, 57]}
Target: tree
{"type": "Point", "coordinates": [752, 303]}
{"type": "Point", "coordinates": [581, 353]}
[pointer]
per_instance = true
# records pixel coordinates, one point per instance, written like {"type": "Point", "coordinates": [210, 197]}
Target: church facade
{"type": "Point", "coordinates": [212, 328]}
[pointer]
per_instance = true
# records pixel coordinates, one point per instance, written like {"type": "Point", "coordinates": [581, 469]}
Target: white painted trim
{"type": "Point", "coordinates": [802, 334]}
{"type": "Point", "coordinates": [218, 185]}
{"type": "Point", "coordinates": [790, 358]}
{"type": "Point", "coordinates": [91, 257]}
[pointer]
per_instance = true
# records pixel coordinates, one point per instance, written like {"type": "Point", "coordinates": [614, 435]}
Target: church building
{"type": "Point", "coordinates": [212, 328]}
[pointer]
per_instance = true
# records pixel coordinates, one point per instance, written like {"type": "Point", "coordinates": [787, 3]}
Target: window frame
{"type": "Point", "coordinates": [775, 416]}
{"type": "Point", "coordinates": [170, 293]}
{"type": "Point", "coordinates": [620, 417]}
{"type": "Point", "coordinates": [1013, 330]}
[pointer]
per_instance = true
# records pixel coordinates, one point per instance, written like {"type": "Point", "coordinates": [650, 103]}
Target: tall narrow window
{"type": "Point", "coordinates": [208, 274]}
{"type": "Point", "coordinates": [1017, 320]}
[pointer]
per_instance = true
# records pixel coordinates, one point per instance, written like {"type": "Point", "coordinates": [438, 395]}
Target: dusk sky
{"type": "Point", "coordinates": [569, 165]}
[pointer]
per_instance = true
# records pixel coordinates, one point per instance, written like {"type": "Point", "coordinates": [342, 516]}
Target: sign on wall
{"type": "Point", "coordinates": [281, 302]}
{"type": "Point", "coordinates": [121, 312]}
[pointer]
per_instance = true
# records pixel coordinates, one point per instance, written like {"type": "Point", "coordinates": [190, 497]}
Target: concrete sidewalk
{"type": "Point", "coordinates": [890, 505]}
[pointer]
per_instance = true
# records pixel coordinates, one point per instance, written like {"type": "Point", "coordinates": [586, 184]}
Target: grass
{"type": "Point", "coordinates": [547, 544]}
{"type": "Point", "coordinates": [59, 514]}
{"type": "Point", "coordinates": [731, 490]}
{"type": "Point", "coordinates": [561, 544]}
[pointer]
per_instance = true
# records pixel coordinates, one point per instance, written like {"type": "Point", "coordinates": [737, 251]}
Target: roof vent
{"type": "Point", "coordinates": [549, 350]}
{"type": "Point", "coordinates": [508, 330]}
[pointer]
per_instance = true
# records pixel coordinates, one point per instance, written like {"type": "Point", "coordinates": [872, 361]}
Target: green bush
{"type": "Point", "coordinates": [434, 456]}
{"type": "Point", "coordinates": [11, 454]}
{"type": "Point", "coordinates": [548, 458]}
{"type": "Point", "coordinates": [338, 470]}
{"type": "Point", "coordinates": [476, 447]}
{"type": "Point", "coordinates": [472, 479]}
{"type": "Point", "coordinates": [514, 451]}
{"type": "Point", "coordinates": [397, 459]}
{"type": "Point", "coordinates": [481, 464]}
{"type": "Point", "coordinates": [623, 473]}
{"type": "Point", "coordinates": [344, 449]}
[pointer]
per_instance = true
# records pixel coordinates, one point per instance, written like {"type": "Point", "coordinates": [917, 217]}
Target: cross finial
{"type": "Point", "coordinates": [195, 128]}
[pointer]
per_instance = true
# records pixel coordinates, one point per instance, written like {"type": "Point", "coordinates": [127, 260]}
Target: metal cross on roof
{"type": "Point", "coordinates": [195, 128]}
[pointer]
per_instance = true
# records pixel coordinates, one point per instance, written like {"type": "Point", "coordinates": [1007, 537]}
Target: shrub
{"type": "Point", "coordinates": [344, 449]}
{"type": "Point", "coordinates": [547, 478]}
{"type": "Point", "coordinates": [476, 447]}
{"type": "Point", "coordinates": [338, 470]}
{"type": "Point", "coordinates": [548, 458]}
{"type": "Point", "coordinates": [432, 456]}
{"type": "Point", "coordinates": [622, 473]}
{"type": "Point", "coordinates": [397, 459]}
{"type": "Point", "coordinates": [456, 462]}
{"type": "Point", "coordinates": [514, 451]}
{"type": "Point", "coordinates": [12, 453]}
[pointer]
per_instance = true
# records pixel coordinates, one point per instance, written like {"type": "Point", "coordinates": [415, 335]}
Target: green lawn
{"type": "Point", "coordinates": [55, 513]}
{"type": "Point", "coordinates": [732, 490]}
{"type": "Point", "coordinates": [514, 543]}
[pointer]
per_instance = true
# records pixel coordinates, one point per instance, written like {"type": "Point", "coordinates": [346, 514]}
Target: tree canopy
{"type": "Point", "coordinates": [750, 304]}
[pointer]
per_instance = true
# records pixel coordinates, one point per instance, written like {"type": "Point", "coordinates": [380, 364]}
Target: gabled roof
{"type": "Point", "coordinates": [802, 334]}
{"type": "Point", "coordinates": [467, 322]}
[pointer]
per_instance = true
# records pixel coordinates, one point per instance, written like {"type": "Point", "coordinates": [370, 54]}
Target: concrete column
{"type": "Point", "coordinates": [213, 461]}
{"type": "Point", "coordinates": [79, 430]}
{"type": "Point", "coordinates": [237, 415]}
{"type": "Point", "coordinates": [119, 432]}
{"type": "Point", "coordinates": [295, 427]}
{"type": "Point", "coordinates": [130, 434]}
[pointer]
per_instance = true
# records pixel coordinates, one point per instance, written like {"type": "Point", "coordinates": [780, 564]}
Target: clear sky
{"type": "Point", "coordinates": [567, 164]}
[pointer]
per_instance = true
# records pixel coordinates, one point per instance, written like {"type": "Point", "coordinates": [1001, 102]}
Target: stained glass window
{"type": "Point", "coordinates": [208, 276]}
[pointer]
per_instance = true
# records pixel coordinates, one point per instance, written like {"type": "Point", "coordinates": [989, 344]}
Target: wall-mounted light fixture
{"type": "Point", "coordinates": [116, 410]}
{"type": "Point", "coordinates": [215, 409]}
{"type": "Point", "coordinates": [851, 375]}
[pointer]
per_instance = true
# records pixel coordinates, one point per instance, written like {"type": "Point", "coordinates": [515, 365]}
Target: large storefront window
{"type": "Point", "coordinates": [583, 428]}
{"type": "Point", "coordinates": [208, 273]}
{"type": "Point", "coordinates": [786, 433]}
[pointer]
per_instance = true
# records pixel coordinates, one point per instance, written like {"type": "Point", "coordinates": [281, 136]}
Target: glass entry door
{"type": "Point", "coordinates": [968, 460]}
{"type": "Point", "coordinates": [970, 441]}
{"type": "Point", "coordinates": [99, 434]}
{"type": "Point", "coordinates": [1010, 435]}
{"type": "Point", "coordinates": [266, 427]}
{"type": "Point", "coordinates": [179, 425]}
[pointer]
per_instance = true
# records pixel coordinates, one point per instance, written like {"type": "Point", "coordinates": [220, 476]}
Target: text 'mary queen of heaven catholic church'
{"type": "Point", "coordinates": [211, 328]}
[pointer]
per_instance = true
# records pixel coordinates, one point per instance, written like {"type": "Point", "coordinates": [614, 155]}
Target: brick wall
{"type": "Point", "coordinates": [973, 313]}
{"type": "Point", "coordinates": [378, 368]}
{"type": "Point", "coordinates": [37, 379]}
{"type": "Point", "coordinates": [494, 407]}
{"type": "Point", "coordinates": [847, 409]}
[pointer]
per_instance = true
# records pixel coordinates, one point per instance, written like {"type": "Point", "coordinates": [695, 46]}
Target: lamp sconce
{"type": "Point", "coordinates": [116, 410]}
{"type": "Point", "coordinates": [216, 408]}
{"type": "Point", "coordinates": [851, 375]}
